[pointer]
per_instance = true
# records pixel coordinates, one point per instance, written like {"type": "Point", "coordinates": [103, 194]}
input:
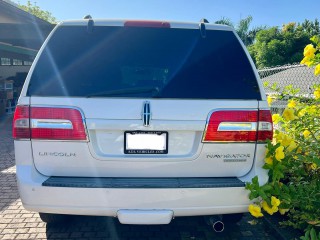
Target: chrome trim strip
{"type": "Point", "coordinates": [237, 126]}
{"type": "Point", "coordinates": [64, 106]}
{"type": "Point", "coordinates": [224, 109]}
{"type": "Point", "coordinates": [146, 114]}
{"type": "Point", "coordinates": [51, 123]}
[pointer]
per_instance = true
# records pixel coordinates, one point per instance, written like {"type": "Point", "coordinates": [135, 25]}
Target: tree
{"type": "Point", "coordinates": [246, 34]}
{"type": "Point", "coordinates": [312, 28]}
{"type": "Point", "coordinates": [243, 30]}
{"type": "Point", "coordinates": [38, 12]}
{"type": "Point", "coordinates": [225, 21]}
{"type": "Point", "coordinates": [275, 46]}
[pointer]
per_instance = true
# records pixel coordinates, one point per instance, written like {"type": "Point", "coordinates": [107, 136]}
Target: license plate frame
{"type": "Point", "coordinates": [143, 135]}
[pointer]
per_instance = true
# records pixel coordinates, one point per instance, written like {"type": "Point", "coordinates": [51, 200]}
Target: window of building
{"type": "Point", "coordinates": [9, 86]}
{"type": "Point", "coordinates": [5, 61]}
{"type": "Point", "coordinates": [17, 62]}
{"type": "Point", "coordinates": [27, 63]}
{"type": "Point", "coordinates": [6, 86]}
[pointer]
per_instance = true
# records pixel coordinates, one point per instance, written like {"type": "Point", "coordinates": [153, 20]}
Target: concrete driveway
{"type": "Point", "coordinates": [18, 223]}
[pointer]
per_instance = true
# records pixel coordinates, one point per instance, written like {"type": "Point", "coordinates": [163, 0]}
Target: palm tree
{"type": "Point", "coordinates": [225, 21]}
{"type": "Point", "coordinates": [246, 34]}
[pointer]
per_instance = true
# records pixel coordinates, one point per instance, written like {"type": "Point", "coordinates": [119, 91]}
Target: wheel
{"type": "Point", "coordinates": [232, 218]}
{"type": "Point", "coordinates": [53, 218]}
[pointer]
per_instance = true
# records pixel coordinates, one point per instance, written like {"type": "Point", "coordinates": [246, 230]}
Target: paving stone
{"type": "Point", "coordinates": [23, 236]}
{"type": "Point", "coordinates": [41, 235]}
{"type": "Point", "coordinates": [8, 231]}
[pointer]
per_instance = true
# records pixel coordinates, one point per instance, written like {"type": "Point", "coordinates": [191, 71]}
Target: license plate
{"type": "Point", "coordinates": [145, 142]}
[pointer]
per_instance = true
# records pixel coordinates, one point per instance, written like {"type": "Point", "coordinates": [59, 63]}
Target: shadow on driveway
{"type": "Point", "coordinates": [86, 227]}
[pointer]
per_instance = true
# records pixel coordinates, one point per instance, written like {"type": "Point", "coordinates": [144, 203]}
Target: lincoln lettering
{"type": "Point", "coordinates": [57, 154]}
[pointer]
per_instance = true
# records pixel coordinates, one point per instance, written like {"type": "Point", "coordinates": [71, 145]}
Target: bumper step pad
{"type": "Point", "coordinates": [89, 182]}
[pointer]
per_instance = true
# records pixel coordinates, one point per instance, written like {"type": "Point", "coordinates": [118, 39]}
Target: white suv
{"type": "Point", "coordinates": [140, 120]}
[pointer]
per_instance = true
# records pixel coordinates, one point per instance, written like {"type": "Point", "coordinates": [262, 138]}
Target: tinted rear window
{"type": "Point", "coordinates": [143, 63]}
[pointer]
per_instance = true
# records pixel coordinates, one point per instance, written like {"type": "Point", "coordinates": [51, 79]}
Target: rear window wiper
{"type": "Point", "coordinates": [154, 90]}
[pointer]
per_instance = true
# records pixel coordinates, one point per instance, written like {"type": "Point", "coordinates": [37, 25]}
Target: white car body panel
{"type": "Point", "coordinates": [185, 121]}
{"type": "Point", "coordinates": [107, 202]}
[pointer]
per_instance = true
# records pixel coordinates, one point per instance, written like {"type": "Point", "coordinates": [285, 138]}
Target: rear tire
{"type": "Point", "coordinates": [53, 218]}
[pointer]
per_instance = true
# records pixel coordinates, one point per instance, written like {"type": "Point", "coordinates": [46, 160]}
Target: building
{"type": "Point", "coordinates": [298, 76]}
{"type": "Point", "coordinates": [21, 36]}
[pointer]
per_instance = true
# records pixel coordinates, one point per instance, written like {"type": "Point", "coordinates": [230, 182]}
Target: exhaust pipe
{"type": "Point", "coordinates": [215, 222]}
{"type": "Point", "coordinates": [218, 226]}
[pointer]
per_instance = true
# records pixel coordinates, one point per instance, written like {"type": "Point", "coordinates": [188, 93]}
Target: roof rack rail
{"type": "Point", "coordinates": [202, 27]}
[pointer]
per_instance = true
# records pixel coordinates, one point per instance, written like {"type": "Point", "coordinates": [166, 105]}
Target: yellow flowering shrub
{"type": "Point", "coordinates": [317, 91]}
{"type": "Point", "coordinates": [269, 100]}
{"type": "Point", "coordinates": [306, 133]}
{"type": "Point", "coordinates": [276, 118]}
{"type": "Point", "coordinates": [279, 153]}
{"type": "Point", "coordinates": [292, 104]}
{"type": "Point", "coordinates": [270, 210]}
{"type": "Point", "coordinates": [269, 160]}
{"type": "Point", "coordinates": [255, 210]}
{"type": "Point", "coordinates": [293, 164]}
{"type": "Point", "coordinates": [293, 158]}
{"type": "Point", "coordinates": [288, 114]}
{"type": "Point", "coordinates": [317, 70]}
{"type": "Point", "coordinates": [275, 201]}
{"type": "Point", "coordinates": [309, 51]}
{"type": "Point", "coordinates": [311, 55]}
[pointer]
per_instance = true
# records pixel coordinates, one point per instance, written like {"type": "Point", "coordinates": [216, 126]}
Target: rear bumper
{"type": "Point", "coordinates": [106, 201]}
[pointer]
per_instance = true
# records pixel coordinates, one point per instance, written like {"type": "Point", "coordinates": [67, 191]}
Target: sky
{"type": "Point", "coordinates": [264, 13]}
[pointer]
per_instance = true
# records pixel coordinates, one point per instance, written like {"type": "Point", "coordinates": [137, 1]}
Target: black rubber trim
{"type": "Point", "coordinates": [88, 182]}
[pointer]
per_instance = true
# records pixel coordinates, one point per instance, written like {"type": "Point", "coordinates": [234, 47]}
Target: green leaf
{"type": "Point", "coordinates": [306, 236]}
{"type": "Point", "coordinates": [253, 195]}
{"type": "Point", "coordinates": [255, 180]}
{"type": "Point", "coordinates": [313, 234]}
{"type": "Point", "coordinates": [316, 161]}
{"type": "Point", "coordinates": [267, 188]}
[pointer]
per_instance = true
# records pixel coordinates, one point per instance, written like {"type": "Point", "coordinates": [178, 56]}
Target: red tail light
{"type": "Point", "coordinates": [21, 123]}
{"type": "Point", "coordinates": [51, 123]}
{"type": "Point", "coordinates": [238, 126]}
{"type": "Point", "coordinates": [154, 24]}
